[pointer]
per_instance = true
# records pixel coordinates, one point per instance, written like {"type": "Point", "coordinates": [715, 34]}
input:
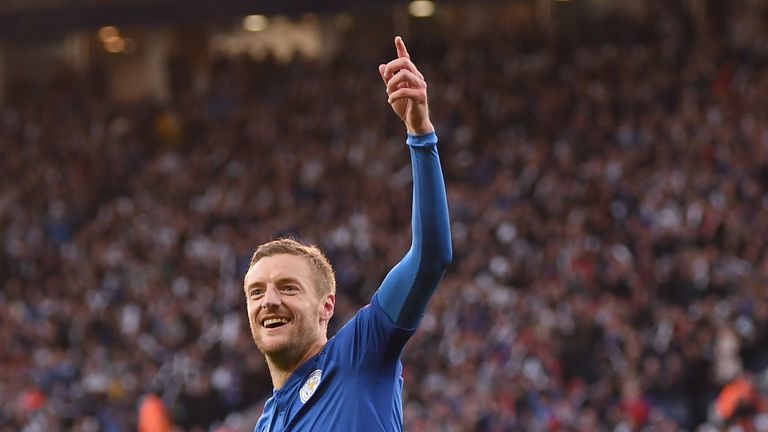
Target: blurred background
{"type": "Point", "coordinates": [607, 171]}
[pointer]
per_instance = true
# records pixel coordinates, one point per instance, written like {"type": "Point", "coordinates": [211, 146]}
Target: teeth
{"type": "Point", "coordinates": [271, 321]}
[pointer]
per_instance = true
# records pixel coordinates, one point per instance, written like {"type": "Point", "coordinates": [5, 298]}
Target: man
{"type": "Point", "coordinates": [352, 382]}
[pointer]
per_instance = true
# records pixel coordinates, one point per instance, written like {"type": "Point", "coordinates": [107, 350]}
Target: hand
{"type": "Point", "coordinates": [407, 91]}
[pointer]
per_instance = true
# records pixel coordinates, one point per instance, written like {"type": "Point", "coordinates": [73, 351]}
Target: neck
{"type": "Point", "coordinates": [281, 367]}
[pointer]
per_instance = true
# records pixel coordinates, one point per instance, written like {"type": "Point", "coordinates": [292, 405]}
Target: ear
{"type": "Point", "coordinates": [327, 307]}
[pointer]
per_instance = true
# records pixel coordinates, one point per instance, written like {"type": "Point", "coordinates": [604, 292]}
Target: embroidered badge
{"type": "Point", "coordinates": [310, 385]}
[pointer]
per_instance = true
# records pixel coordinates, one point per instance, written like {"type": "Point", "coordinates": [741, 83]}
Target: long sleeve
{"type": "Point", "coordinates": [407, 288]}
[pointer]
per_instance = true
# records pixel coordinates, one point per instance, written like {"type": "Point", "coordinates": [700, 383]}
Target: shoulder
{"type": "Point", "coordinates": [370, 317]}
{"type": "Point", "coordinates": [369, 333]}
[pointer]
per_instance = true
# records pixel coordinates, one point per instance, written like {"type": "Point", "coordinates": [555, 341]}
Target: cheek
{"type": "Point", "coordinates": [251, 308]}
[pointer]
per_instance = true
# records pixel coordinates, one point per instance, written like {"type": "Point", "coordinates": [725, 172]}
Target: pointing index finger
{"type": "Point", "coordinates": [401, 50]}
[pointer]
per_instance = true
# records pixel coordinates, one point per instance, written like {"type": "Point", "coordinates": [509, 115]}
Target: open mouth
{"type": "Point", "coordinates": [272, 323]}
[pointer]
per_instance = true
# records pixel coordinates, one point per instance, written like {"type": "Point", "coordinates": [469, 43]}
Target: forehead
{"type": "Point", "coordinates": [280, 266]}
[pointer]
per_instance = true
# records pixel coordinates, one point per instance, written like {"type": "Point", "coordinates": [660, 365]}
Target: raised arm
{"type": "Point", "coordinates": [406, 290]}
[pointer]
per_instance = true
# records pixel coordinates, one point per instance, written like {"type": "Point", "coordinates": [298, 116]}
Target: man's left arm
{"type": "Point", "coordinates": [407, 288]}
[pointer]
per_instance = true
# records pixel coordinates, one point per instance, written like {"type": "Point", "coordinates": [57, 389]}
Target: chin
{"type": "Point", "coordinates": [274, 346]}
{"type": "Point", "coordinates": [273, 351]}
{"type": "Point", "coordinates": [282, 355]}
{"type": "Point", "coordinates": [271, 347]}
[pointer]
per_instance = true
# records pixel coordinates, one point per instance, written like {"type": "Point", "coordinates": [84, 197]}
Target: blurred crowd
{"type": "Point", "coordinates": [609, 206]}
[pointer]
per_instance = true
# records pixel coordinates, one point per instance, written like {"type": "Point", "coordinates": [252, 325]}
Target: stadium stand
{"type": "Point", "coordinates": [609, 204]}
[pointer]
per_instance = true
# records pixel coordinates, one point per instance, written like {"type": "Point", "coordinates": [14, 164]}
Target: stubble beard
{"type": "Point", "coordinates": [288, 353]}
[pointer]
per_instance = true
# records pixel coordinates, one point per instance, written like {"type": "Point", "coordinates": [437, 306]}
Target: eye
{"type": "Point", "coordinates": [256, 292]}
{"type": "Point", "coordinates": [290, 288]}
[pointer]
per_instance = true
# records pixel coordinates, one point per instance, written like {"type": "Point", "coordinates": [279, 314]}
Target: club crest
{"type": "Point", "coordinates": [310, 385]}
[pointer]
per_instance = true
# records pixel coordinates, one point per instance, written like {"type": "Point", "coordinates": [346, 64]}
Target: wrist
{"type": "Point", "coordinates": [421, 129]}
{"type": "Point", "coordinates": [424, 140]}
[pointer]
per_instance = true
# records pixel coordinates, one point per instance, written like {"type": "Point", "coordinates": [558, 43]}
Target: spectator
{"type": "Point", "coordinates": [608, 207]}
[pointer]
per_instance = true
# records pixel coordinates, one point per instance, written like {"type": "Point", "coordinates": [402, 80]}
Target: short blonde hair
{"type": "Point", "coordinates": [321, 267]}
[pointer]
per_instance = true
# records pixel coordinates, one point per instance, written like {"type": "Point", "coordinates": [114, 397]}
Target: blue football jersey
{"type": "Point", "coordinates": [354, 384]}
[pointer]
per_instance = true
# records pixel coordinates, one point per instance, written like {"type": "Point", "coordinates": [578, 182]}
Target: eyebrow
{"type": "Point", "coordinates": [280, 281]}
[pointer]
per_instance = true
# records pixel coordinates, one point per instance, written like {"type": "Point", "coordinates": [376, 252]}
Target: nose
{"type": "Point", "coordinates": [271, 298]}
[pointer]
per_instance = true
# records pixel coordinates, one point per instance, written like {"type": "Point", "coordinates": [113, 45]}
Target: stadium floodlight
{"type": "Point", "coordinates": [108, 32]}
{"type": "Point", "coordinates": [421, 8]}
{"type": "Point", "coordinates": [114, 44]}
{"type": "Point", "coordinates": [255, 23]}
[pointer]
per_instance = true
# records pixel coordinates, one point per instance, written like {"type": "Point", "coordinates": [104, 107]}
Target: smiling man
{"type": "Point", "coordinates": [352, 382]}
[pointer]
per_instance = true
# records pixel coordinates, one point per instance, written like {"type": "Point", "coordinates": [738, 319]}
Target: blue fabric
{"type": "Point", "coordinates": [360, 386]}
{"type": "Point", "coordinates": [358, 373]}
{"type": "Point", "coordinates": [409, 285]}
